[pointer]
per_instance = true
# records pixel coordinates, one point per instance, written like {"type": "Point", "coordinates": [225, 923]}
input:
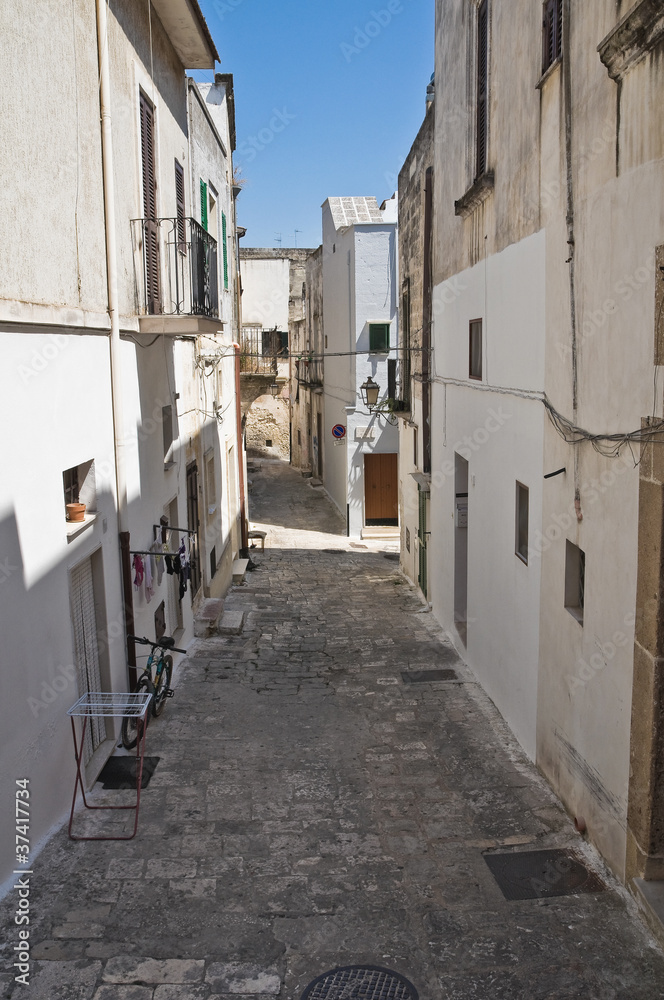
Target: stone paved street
{"type": "Point", "coordinates": [311, 810]}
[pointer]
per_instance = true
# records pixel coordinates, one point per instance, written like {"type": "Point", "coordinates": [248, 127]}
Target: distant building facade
{"type": "Point", "coordinates": [360, 449]}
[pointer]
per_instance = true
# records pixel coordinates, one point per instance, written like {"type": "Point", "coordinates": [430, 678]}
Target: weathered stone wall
{"type": "Point", "coordinates": [268, 433]}
{"type": "Point", "coordinates": [411, 239]}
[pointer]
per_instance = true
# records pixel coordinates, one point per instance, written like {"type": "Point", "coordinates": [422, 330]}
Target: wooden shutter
{"type": "Point", "coordinates": [552, 32]}
{"type": "Point", "coordinates": [482, 86]}
{"type": "Point", "coordinates": [180, 208]}
{"type": "Point", "coordinates": [204, 205]}
{"type": "Point", "coordinates": [151, 229]}
{"type": "Point", "coordinates": [224, 248]}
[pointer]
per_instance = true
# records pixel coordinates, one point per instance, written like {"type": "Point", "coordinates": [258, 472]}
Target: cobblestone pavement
{"type": "Point", "coordinates": [311, 810]}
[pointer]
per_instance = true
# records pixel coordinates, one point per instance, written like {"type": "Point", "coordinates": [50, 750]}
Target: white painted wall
{"type": "Point", "coordinates": [500, 433]}
{"type": "Point", "coordinates": [265, 291]}
{"type": "Point", "coordinates": [65, 419]}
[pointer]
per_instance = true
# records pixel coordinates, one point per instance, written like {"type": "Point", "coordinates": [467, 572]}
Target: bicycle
{"type": "Point", "coordinates": [160, 688]}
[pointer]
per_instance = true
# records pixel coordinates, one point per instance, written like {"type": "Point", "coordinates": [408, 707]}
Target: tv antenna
{"type": "Point", "coordinates": [296, 232]}
{"type": "Point", "coordinates": [277, 239]}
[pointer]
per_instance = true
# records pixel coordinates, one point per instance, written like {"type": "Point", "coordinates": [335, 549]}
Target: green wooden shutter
{"type": "Point", "coordinates": [224, 248]}
{"type": "Point", "coordinates": [204, 205]}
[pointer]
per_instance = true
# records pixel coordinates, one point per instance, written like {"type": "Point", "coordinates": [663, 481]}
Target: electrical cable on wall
{"type": "Point", "coordinates": [608, 445]}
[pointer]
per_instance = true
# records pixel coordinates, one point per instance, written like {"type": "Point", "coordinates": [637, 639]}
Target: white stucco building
{"type": "Point", "coordinates": [115, 311]}
{"type": "Point", "coordinates": [546, 495]}
{"type": "Point", "coordinates": [360, 330]}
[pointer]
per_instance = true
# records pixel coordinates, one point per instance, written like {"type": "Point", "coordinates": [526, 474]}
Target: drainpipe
{"type": "Point", "coordinates": [111, 262]}
{"type": "Point", "coordinates": [567, 87]}
{"type": "Point", "coordinates": [240, 454]}
{"type": "Point", "coordinates": [426, 322]}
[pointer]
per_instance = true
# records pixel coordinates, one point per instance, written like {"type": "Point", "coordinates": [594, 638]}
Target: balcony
{"type": "Point", "coordinates": [310, 372]}
{"type": "Point", "coordinates": [177, 276]}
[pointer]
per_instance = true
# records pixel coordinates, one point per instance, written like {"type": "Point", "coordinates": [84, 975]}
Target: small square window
{"type": "Point", "coordinates": [521, 545]}
{"type": "Point", "coordinates": [475, 349]}
{"type": "Point", "coordinates": [268, 442]}
{"type": "Point", "coordinates": [379, 338]}
{"type": "Point", "coordinates": [80, 486]}
{"type": "Point", "coordinates": [575, 580]}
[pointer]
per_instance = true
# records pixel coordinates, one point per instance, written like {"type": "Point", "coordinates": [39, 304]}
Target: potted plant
{"type": "Point", "coordinates": [75, 511]}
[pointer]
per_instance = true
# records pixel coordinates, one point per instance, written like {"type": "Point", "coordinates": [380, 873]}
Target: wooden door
{"type": "Point", "coordinates": [381, 489]}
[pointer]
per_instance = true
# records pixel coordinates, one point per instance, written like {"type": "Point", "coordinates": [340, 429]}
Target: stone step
{"type": "Point", "coordinates": [207, 617]}
{"type": "Point", "coordinates": [650, 897]}
{"type": "Point", "coordinates": [239, 570]}
{"type": "Point", "coordinates": [232, 623]}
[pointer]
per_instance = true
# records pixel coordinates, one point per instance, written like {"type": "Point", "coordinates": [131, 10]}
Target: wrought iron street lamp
{"type": "Point", "coordinates": [370, 391]}
{"type": "Point", "coordinates": [275, 389]}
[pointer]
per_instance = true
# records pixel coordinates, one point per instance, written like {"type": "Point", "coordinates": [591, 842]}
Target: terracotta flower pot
{"type": "Point", "coordinates": [75, 511]}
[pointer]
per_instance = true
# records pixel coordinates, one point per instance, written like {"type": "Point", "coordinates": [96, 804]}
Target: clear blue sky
{"type": "Point", "coordinates": [329, 97]}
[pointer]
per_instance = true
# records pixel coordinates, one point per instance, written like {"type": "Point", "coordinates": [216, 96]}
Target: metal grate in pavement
{"type": "Point", "coordinates": [360, 982]}
{"type": "Point", "coordinates": [540, 874]}
{"type": "Point", "coordinates": [120, 772]}
{"type": "Point", "coordinates": [425, 676]}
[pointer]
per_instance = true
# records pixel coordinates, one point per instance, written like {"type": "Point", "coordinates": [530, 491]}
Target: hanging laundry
{"type": "Point", "coordinates": [139, 571]}
{"type": "Point", "coordinates": [169, 560]}
{"type": "Point", "coordinates": [158, 566]}
{"type": "Point", "coordinates": [149, 589]}
{"type": "Point", "coordinates": [185, 557]}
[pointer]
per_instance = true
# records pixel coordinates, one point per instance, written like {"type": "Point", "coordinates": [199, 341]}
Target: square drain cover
{"type": "Point", "coordinates": [120, 772]}
{"type": "Point", "coordinates": [423, 676]}
{"type": "Point", "coordinates": [360, 982]}
{"type": "Point", "coordinates": [539, 874]}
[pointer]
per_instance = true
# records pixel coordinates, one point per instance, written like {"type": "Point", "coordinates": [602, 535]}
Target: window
{"type": "Point", "coordinates": [415, 454]}
{"type": "Point", "coordinates": [210, 484]}
{"type": "Point", "coordinates": [70, 480]}
{"type": "Point", "coordinates": [180, 208]}
{"type": "Point", "coordinates": [392, 378]}
{"type": "Point", "coordinates": [521, 544]}
{"type": "Point", "coordinates": [80, 486]}
{"type": "Point", "coordinates": [482, 123]}
{"type": "Point", "coordinates": [575, 580]}
{"type": "Point", "coordinates": [151, 231]}
{"type": "Point", "coordinates": [224, 247]}
{"type": "Point", "coordinates": [552, 32]}
{"type": "Point", "coordinates": [475, 349]}
{"type": "Point", "coordinates": [204, 205]}
{"type": "Point", "coordinates": [268, 442]}
{"type": "Point", "coordinates": [213, 561]}
{"type": "Point", "coordinates": [379, 338]}
{"type": "Point", "coordinates": [167, 429]}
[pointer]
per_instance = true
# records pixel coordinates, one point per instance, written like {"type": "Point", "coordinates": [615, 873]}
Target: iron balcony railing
{"type": "Point", "coordinates": [310, 371]}
{"type": "Point", "coordinates": [177, 271]}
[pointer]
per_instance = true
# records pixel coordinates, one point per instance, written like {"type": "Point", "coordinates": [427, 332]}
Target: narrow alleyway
{"type": "Point", "coordinates": [311, 809]}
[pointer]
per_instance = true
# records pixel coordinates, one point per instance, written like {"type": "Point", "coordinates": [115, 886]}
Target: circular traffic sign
{"type": "Point", "coordinates": [339, 431]}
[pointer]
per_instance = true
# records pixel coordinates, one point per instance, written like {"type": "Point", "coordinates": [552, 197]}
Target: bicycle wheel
{"type": "Point", "coordinates": [163, 686]}
{"type": "Point", "coordinates": [132, 726]}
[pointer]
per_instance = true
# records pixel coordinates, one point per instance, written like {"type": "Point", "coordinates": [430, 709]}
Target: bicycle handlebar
{"type": "Point", "coordinates": [155, 645]}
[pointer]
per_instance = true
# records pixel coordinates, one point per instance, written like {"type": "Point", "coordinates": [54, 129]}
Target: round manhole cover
{"type": "Point", "coordinates": [360, 982]}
